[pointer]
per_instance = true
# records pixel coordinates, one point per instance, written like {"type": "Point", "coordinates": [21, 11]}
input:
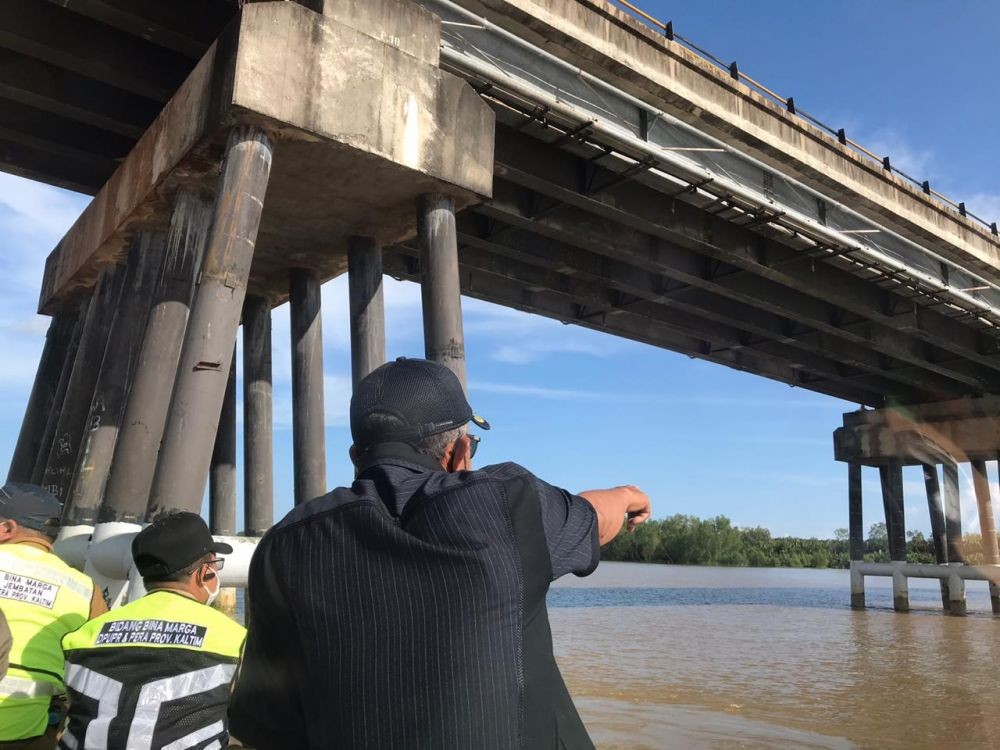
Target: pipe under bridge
{"type": "Point", "coordinates": [554, 156]}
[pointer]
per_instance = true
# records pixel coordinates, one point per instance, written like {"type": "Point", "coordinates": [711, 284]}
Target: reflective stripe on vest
{"type": "Point", "coordinates": [18, 687]}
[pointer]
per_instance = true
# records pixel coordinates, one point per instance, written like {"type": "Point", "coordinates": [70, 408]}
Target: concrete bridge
{"type": "Point", "coordinates": [556, 156]}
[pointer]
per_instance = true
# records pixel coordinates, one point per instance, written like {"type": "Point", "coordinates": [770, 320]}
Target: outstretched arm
{"type": "Point", "coordinates": [613, 505]}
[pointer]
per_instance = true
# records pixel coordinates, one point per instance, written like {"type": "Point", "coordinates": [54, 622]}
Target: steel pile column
{"type": "Point", "coordinates": [855, 533]}
{"type": "Point", "coordinates": [892, 499]}
{"type": "Point", "coordinates": [953, 529]}
{"type": "Point", "coordinates": [936, 508]}
{"type": "Point", "coordinates": [222, 479]}
{"type": "Point", "coordinates": [987, 525]}
{"type": "Point", "coordinates": [258, 460]}
{"type": "Point", "coordinates": [72, 420]}
{"type": "Point", "coordinates": [111, 390]}
{"type": "Point", "coordinates": [43, 392]}
{"type": "Point", "coordinates": [308, 412]}
{"type": "Point", "coordinates": [440, 287]}
{"type": "Point", "coordinates": [367, 308]}
{"type": "Point", "coordinates": [203, 370]}
{"type": "Point", "coordinates": [145, 418]}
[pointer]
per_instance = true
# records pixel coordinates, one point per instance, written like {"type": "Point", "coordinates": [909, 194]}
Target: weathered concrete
{"type": "Point", "coordinates": [367, 308]}
{"type": "Point", "coordinates": [935, 507]}
{"type": "Point", "coordinates": [258, 431]}
{"type": "Point", "coordinates": [855, 529]}
{"type": "Point", "coordinates": [609, 43]}
{"type": "Point", "coordinates": [892, 499]}
{"type": "Point", "coordinates": [308, 412]}
{"type": "Point", "coordinates": [203, 369]}
{"type": "Point", "coordinates": [93, 463]}
{"type": "Point", "coordinates": [953, 512]}
{"type": "Point", "coordinates": [365, 103]}
{"type": "Point", "coordinates": [43, 393]}
{"type": "Point", "coordinates": [134, 464]}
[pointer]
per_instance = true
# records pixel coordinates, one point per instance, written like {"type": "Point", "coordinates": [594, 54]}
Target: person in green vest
{"type": "Point", "coordinates": [155, 674]}
{"type": "Point", "coordinates": [42, 598]}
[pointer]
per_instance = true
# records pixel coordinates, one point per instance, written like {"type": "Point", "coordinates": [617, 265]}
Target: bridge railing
{"type": "Point", "coordinates": [667, 29]}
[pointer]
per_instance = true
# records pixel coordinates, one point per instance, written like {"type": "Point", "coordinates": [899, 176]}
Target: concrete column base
{"type": "Point", "coordinates": [900, 592]}
{"type": "Point", "coordinates": [858, 600]}
{"type": "Point", "coordinates": [995, 598]}
{"type": "Point", "coordinates": [956, 595]}
{"type": "Point", "coordinates": [857, 587]}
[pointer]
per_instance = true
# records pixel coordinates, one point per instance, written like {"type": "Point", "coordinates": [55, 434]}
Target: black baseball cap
{"type": "Point", "coordinates": [31, 506]}
{"type": "Point", "coordinates": [172, 542]}
{"type": "Point", "coordinates": [416, 397]}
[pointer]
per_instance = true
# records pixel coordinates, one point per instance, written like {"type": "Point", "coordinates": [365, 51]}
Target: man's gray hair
{"type": "Point", "coordinates": [436, 445]}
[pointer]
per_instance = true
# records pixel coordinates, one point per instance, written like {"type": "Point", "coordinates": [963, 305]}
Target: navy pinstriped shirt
{"type": "Point", "coordinates": [408, 611]}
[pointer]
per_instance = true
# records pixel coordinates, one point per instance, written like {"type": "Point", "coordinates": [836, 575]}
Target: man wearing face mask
{"type": "Point", "coordinates": [155, 673]}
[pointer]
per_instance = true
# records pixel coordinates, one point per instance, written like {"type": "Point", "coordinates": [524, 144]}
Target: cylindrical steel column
{"type": "Point", "coordinates": [440, 287]}
{"type": "Point", "coordinates": [111, 391]}
{"type": "Point", "coordinates": [132, 469]}
{"type": "Point", "coordinates": [203, 369]}
{"type": "Point", "coordinates": [222, 479]}
{"type": "Point", "coordinates": [52, 419]}
{"type": "Point", "coordinates": [43, 393]}
{"type": "Point", "coordinates": [258, 460]}
{"type": "Point", "coordinates": [58, 475]}
{"type": "Point", "coordinates": [308, 412]}
{"type": "Point", "coordinates": [987, 525]}
{"type": "Point", "coordinates": [364, 281]}
{"type": "Point", "coordinates": [936, 508]}
{"type": "Point", "coordinates": [892, 500]}
{"type": "Point", "coordinates": [855, 531]}
{"type": "Point", "coordinates": [953, 513]}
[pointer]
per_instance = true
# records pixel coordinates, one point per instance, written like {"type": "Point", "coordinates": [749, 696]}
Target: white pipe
{"type": "Point", "coordinates": [71, 545]}
{"type": "Point", "coordinates": [925, 570]}
{"type": "Point", "coordinates": [695, 173]}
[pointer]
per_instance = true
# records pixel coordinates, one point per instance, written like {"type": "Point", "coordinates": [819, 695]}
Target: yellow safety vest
{"type": "Point", "coordinates": [154, 673]}
{"type": "Point", "coordinates": [43, 599]}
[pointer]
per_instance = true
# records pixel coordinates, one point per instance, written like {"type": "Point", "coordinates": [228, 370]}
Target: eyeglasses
{"type": "Point", "coordinates": [473, 445]}
{"type": "Point", "coordinates": [218, 562]}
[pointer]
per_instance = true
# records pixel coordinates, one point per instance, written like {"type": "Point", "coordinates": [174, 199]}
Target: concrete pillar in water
{"type": "Point", "coordinates": [855, 533]}
{"type": "Point", "coordinates": [203, 369]}
{"type": "Point", "coordinates": [222, 478]}
{"type": "Point", "coordinates": [987, 525]}
{"type": "Point", "coordinates": [52, 420]}
{"type": "Point", "coordinates": [953, 513]}
{"type": "Point", "coordinates": [111, 390]}
{"type": "Point", "coordinates": [127, 491]}
{"type": "Point", "coordinates": [51, 365]}
{"type": "Point", "coordinates": [935, 507]}
{"type": "Point", "coordinates": [308, 412]}
{"type": "Point", "coordinates": [892, 499]}
{"type": "Point", "coordinates": [258, 460]}
{"type": "Point", "coordinates": [440, 287]}
{"type": "Point", "coordinates": [57, 476]}
{"type": "Point", "coordinates": [364, 280]}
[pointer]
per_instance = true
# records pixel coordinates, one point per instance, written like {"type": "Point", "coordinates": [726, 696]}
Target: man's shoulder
{"type": "Point", "coordinates": [337, 499]}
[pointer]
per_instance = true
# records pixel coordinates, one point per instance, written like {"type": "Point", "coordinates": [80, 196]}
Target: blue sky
{"type": "Point", "coordinates": [909, 79]}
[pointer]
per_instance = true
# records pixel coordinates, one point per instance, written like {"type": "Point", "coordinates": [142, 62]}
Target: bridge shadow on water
{"type": "Point", "coordinates": [805, 597]}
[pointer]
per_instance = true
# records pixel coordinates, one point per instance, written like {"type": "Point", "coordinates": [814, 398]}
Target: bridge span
{"type": "Point", "coordinates": [555, 156]}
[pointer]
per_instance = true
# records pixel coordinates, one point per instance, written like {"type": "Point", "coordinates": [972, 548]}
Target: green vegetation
{"type": "Point", "coordinates": [687, 540]}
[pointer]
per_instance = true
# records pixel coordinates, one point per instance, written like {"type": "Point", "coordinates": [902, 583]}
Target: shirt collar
{"type": "Point", "coordinates": [397, 453]}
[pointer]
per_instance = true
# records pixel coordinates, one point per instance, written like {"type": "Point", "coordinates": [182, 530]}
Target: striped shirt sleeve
{"type": "Point", "coordinates": [570, 524]}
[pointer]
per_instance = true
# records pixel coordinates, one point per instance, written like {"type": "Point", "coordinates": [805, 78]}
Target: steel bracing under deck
{"type": "Point", "coordinates": [607, 212]}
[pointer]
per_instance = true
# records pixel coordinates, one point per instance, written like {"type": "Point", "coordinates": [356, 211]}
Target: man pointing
{"type": "Point", "coordinates": [408, 610]}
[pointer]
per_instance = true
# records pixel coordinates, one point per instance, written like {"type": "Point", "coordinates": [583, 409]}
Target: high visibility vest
{"type": "Point", "coordinates": [43, 599]}
{"type": "Point", "coordinates": [152, 675]}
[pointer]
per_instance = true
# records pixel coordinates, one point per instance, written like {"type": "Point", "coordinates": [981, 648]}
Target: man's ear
{"type": "Point", "coordinates": [353, 453]}
{"type": "Point", "coordinates": [460, 458]}
{"type": "Point", "coordinates": [8, 529]}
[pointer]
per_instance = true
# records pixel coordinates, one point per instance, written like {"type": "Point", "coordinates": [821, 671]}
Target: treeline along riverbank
{"type": "Point", "coordinates": [688, 540]}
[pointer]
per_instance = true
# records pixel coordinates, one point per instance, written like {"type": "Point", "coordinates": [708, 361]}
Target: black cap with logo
{"type": "Point", "coordinates": [172, 542]}
{"type": "Point", "coordinates": [414, 398]}
{"type": "Point", "coordinates": [31, 506]}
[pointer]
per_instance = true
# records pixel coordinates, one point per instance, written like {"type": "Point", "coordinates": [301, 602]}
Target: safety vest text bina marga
{"type": "Point", "coordinates": [43, 599]}
{"type": "Point", "coordinates": [152, 674]}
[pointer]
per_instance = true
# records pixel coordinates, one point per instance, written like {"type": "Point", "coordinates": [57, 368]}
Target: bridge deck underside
{"type": "Point", "coordinates": [577, 234]}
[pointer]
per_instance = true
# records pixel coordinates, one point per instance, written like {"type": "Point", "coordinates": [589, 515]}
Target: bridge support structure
{"type": "Point", "coordinates": [946, 434]}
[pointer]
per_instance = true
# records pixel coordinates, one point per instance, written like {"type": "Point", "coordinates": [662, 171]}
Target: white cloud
{"type": "Point", "coordinates": [985, 205]}
{"type": "Point", "coordinates": [916, 162]}
{"type": "Point", "coordinates": [560, 394]}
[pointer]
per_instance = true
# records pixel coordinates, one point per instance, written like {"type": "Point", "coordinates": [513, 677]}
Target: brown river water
{"type": "Point", "coordinates": [663, 656]}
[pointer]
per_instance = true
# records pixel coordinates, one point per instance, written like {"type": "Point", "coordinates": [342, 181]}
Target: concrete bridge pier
{"type": "Point", "coordinates": [185, 454]}
{"type": "Point", "coordinates": [308, 413]}
{"type": "Point", "coordinates": [987, 525]}
{"type": "Point", "coordinates": [935, 508]}
{"type": "Point", "coordinates": [891, 477]}
{"type": "Point", "coordinates": [258, 430]}
{"type": "Point", "coordinates": [367, 307]}
{"type": "Point", "coordinates": [222, 475]}
{"type": "Point", "coordinates": [41, 402]}
{"type": "Point", "coordinates": [855, 533]}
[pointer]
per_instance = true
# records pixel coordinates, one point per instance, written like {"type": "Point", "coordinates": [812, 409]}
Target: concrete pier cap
{"type": "Point", "coordinates": [363, 121]}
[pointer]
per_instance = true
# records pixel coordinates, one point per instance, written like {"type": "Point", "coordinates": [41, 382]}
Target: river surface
{"type": "Point", "coordinates": [661, 656]}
